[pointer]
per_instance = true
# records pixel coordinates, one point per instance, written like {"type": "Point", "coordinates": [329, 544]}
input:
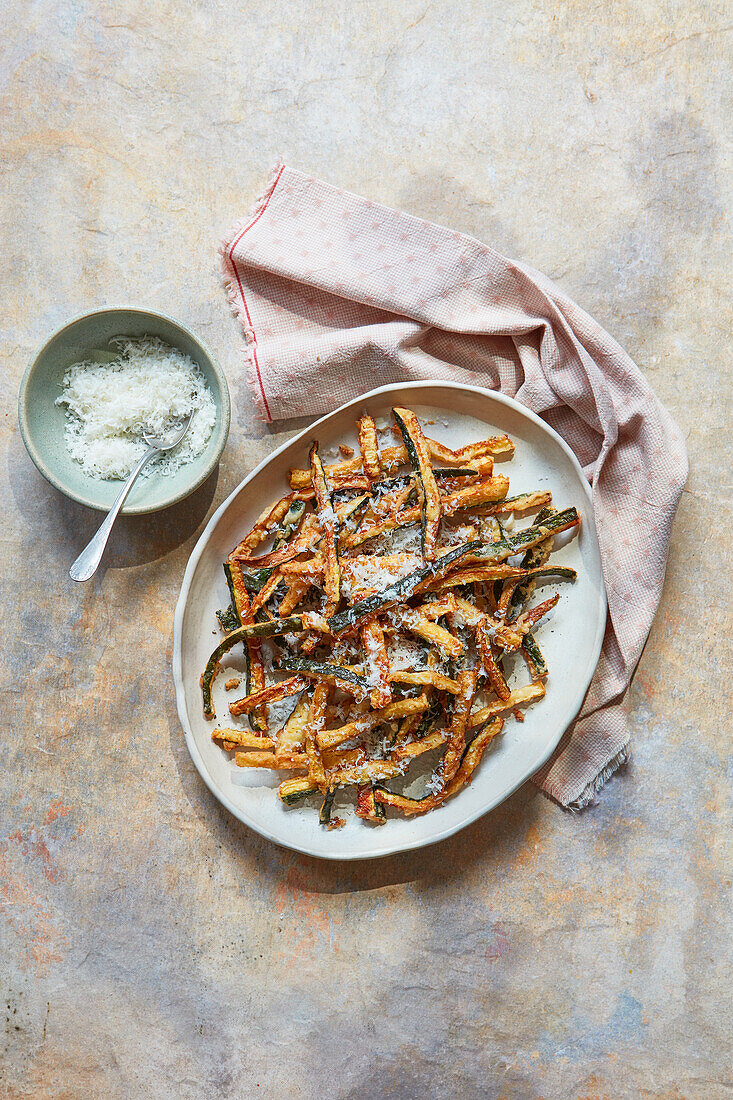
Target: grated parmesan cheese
{"type": "Point", "coordinates": [109, 405]}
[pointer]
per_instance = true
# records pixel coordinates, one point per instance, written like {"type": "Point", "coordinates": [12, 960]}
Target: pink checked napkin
{"type": "Point", "coordinates": [338, 295]}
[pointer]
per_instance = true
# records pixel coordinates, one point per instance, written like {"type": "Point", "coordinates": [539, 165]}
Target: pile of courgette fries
{"type": "Point", "coordinates": [360, 720]}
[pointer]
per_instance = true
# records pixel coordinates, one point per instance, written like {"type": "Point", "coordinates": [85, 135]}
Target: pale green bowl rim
{"type": "Point", "coordinates": [221, 430]}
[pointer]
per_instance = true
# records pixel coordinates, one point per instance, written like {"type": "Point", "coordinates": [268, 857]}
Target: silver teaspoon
{"type": "Point", "coordinates": [87, 563]}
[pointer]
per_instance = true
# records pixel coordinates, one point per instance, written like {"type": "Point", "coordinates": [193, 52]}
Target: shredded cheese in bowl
{"type": "Point", "coordinates": [146, 387]}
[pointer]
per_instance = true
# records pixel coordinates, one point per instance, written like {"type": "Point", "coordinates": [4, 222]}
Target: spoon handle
{"type": "Point", "coordinates": [87, 563]}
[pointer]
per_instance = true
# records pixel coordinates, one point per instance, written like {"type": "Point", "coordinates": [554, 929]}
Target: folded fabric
{"type": "Point", "coordinates": [338, 295]}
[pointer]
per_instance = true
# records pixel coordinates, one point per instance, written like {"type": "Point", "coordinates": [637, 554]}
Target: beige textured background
{"type": "Point", "coordinates": [151, 946]}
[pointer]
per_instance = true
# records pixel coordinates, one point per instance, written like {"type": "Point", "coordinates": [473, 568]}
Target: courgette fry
{"type": "Point", "coordinates": [425, 678]}
{"type": "Point", "coordinates": [237, 589]}
{"type": "Point", "coordinates": [369, 447]}
{"type": "Point", "coordinates": [290, 524]}
{"type": "Point", "coordinates": [330, 527]}
{"type": "Point", "coordinates": [266, 592]}
{"type": "Point", "coordinates": [528, 618]}
{"type": "Point", "coordinates": [273, 694]}
{"type": "Point", "coordinates": [228, 619]}
{"type": "Point", "coordinates": [452, 480]}
{"type": "Point", "coordinates": [518, 505]}
{"type": "Point", "coordinates": [488, 660]}
{"type": "Point", "coordinates": [292, 791]}
{"type": "Point", "coordinates": [393, 522]}
{"type": "Point", "coordinates": [533, 655]}
{"type": "Point", "coordinates": [297, 591]}
{"type": "Point", "coordinates": [319, 702]}
{"type": "Point", "coordinates": [372, 637]}
{"type": "Point", "coordinates": [251, 580]}
{"type": "Point", "coordinates": [348, 508]}
{"type": "Point", "coordinates": [417, 748]}
{"type": "Point", "coordinates": [500, 446]}
{"type": "Point", "coordinates": [420, 626]}
{"type": "Point", "coordinates": [232, 739]}
{"type": "Point", "coordinates": [436, 710]}
{"type": "Point", "coordinates": [298, 761]}
{"type": "Point", "coordinates": [304, 567]}
{"type": "Point", "coordinates": [459, 719]}
{"type": "Point", "coordinates": [529, 694]}
{"type": "Point", "coordinates": [427, 487]}
{"type": "Point", "coordinates": [435, 609]}
{"type": "Point", "coordinates": [511, 635]}
{"type": "Point", "coordinates": [371, 771]}
{"type": "Point", "coordinates": [344, 678]}
{"type": "Point", "coordinates": [291, 738]}
{"type": "Point", "coordinates": [349, 481]}
{"type": "Point", "coordinates": [505, 548]}
{"type": "Point", "coordinates": [324, 814]}
{"type": "Point", "coordinates": [366, 806]}
{"type": "Point", "coordinates": [482, 492]}
{"type": "Point", "coordinates": [242, 634]}
{"type": "Point", "coordinates": [486, 574]}
{"type": "Point", "coordinates": [400, 732]}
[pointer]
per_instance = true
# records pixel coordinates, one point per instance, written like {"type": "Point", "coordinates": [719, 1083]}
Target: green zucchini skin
{"type": "Point", "coordinates": [232, 592]}
{"type": "Point", "coordinates": [358, 504]}
{"type": "Point", "coordinates": [520, 497]}
{"type": "Point", "coordinates": [422, 491]}
{"type": "Point", "coordinates": [368, 808]}
{"type": "Point", "coordinates": [562, 571]}
{"type": "Point", "coordinates": [321, 668]}
{"type": "Point", "coordinates": [542, 515]}
{"type": "Point", "coordinates": [400, 590]}
{"type": "Point", "coordinates": [377, 807]}
{"type": "Point", "coordinates": [533, 651]}
{"type": "Point", "coordinates": [324, 814]}
{"type": "Point", "coordinates": [228, 618]}
{"type": "Point", "coordinates": [242, 634]}
{"type": "Point", "coordinates": [290, 524]}
{"type": "Point", "coordinates": [256, 579]}
{"type": "Point", "coordinates": [400, 800]}
{"type": "Point", "coordinates": [352, 511]}
{"type": "Point", "coordinates": [296, 796]}
{"type": "Point", "coordinates": [387, 484]}
{"type": "Point", "coordinates": [447, 472]}
{"type": "Point", "coordinates": [252, 579]}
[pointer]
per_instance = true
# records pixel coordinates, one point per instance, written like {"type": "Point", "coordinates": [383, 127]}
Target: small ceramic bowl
{"type": "Point", "coordinates": [42, 421]}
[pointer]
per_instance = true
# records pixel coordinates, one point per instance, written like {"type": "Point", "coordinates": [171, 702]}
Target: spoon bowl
{"type": "Point", "coordinates": [87, 563]}
{"type": "Point", "coordinates": [172, 437]}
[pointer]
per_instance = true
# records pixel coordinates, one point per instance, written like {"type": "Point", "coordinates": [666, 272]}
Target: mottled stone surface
{"type": "Point", "coordinates": [153, 947]}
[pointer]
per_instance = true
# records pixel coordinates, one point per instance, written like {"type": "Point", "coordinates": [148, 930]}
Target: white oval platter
{"type": "Point", "coordinates": [571, 641]}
